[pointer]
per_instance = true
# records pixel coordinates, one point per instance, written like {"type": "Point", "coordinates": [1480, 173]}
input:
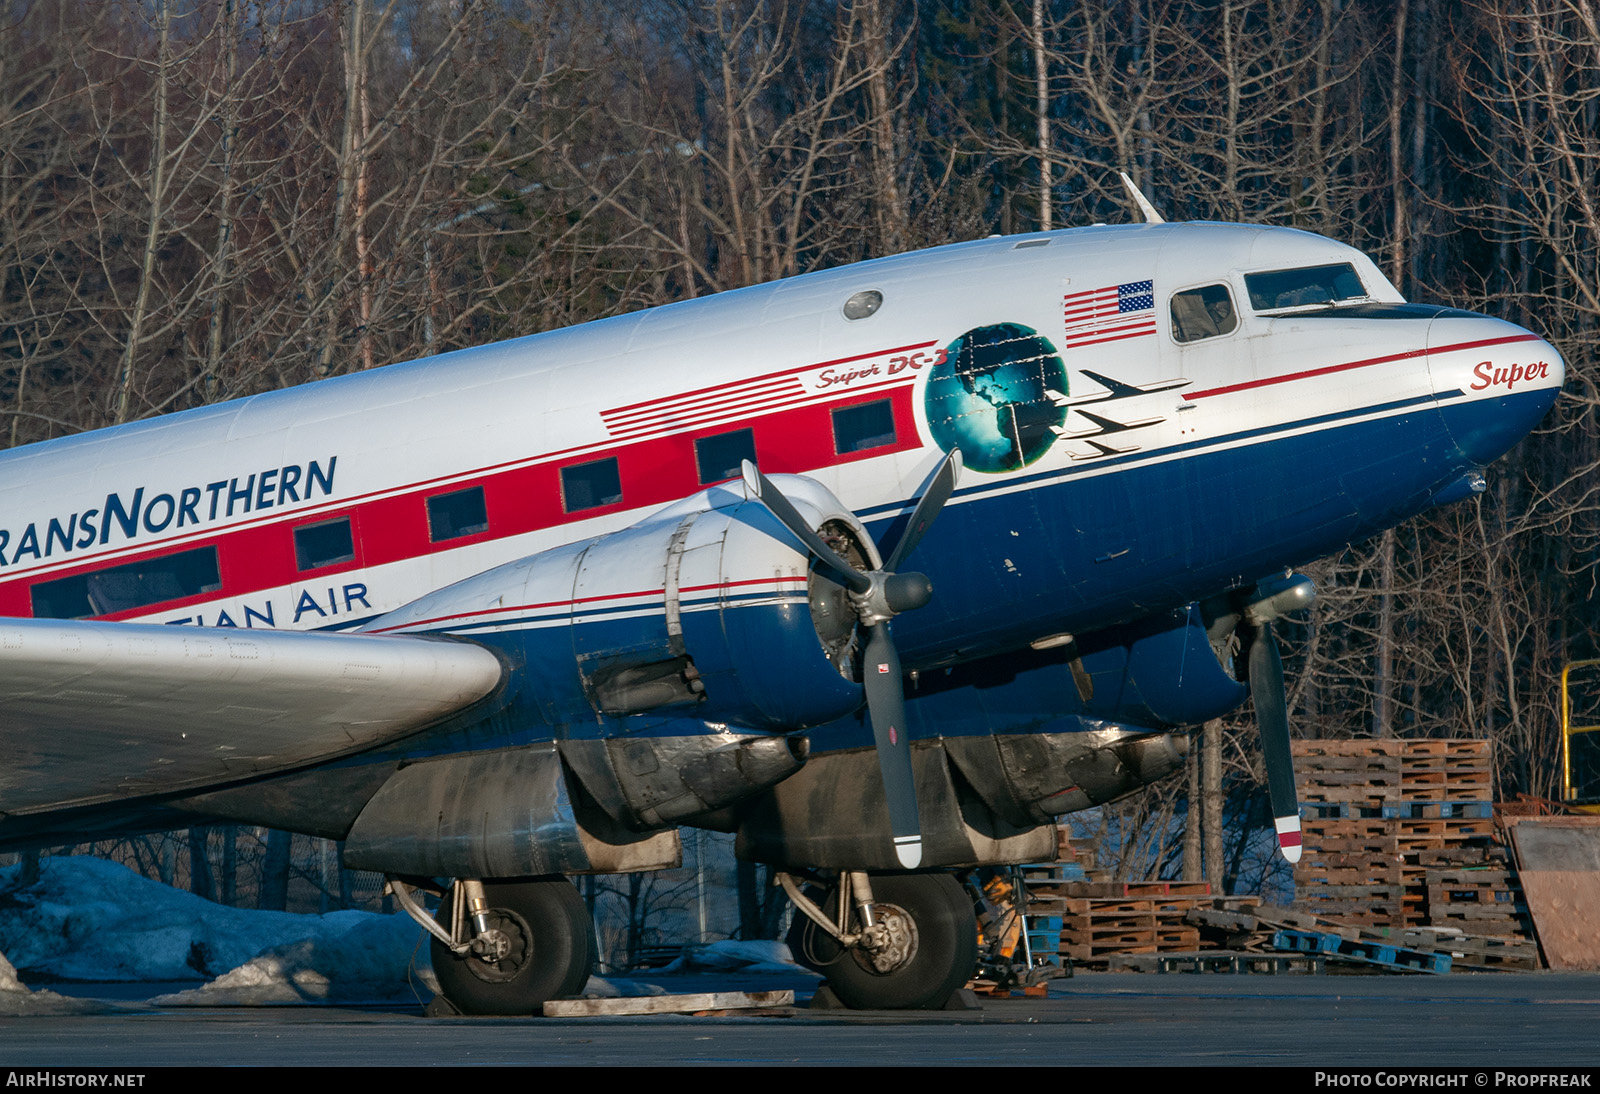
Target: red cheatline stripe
{"type": "Point", "coordinates": [1330, 369]}
{"type": "Point", "coordinates": [714, 388]}
{"type": "Point", "coordinates": [297, 517]}
{"type": "Point", "coordinates": [10, 577]}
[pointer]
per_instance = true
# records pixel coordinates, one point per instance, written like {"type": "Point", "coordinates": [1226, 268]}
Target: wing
{"type": "Point", "coordinates": [94, 712]}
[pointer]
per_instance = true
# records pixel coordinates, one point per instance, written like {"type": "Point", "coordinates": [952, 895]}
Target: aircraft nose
{"type": "Point", "coordinates": [1494, 381]}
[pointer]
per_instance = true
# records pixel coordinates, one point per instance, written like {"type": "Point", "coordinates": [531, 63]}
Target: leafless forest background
{"type": "Point", "coordinates": [203, 199]}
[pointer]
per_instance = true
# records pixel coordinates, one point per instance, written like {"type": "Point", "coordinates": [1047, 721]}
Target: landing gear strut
{"type": "Point", "coordinates": [892, 942]}
{"type": "Point", "coordinates": [508, 947]}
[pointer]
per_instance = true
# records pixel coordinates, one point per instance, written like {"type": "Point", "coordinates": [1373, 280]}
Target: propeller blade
{"type": "Point", "coordinates": [780, 507]}
{"type": "Point", "coordinates": [928, 507]}
{"type": "Point", "coordinates": [890, 593]}
{"type": "Point", "coordinates": [887, 705]}
{"type": "Point", "coordinates": [1272, 721]}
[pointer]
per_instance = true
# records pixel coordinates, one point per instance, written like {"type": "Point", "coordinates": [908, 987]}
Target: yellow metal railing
{"type": "Point", "coordinates": [1588, 674]}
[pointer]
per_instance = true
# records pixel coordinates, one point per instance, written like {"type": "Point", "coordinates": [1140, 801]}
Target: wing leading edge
{"type": "Point", "coordinates": [93, 712]}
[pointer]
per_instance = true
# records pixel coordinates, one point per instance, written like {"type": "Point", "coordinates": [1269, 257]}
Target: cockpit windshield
{"type": "Point", "coordinates": [1311, 286]}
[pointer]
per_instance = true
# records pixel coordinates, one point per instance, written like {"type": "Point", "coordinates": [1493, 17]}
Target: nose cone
{"type": "Point", "coordinates": [1494, 381]}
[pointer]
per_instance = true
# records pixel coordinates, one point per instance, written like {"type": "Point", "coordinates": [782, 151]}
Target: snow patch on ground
{"type": "Point", "coordinates": [17, 1000]}
{"type": "Point", "coordinates": [754, 957]}
{"type": "Point", "coordinates": [92, 920]}
{"type": "Point", "coordinates": [378, 959]}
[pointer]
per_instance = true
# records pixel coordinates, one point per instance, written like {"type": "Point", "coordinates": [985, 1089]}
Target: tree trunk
{"type": "Point", "coordinates": [1193, 860]}
{"type": "Point", "coordinates": [122, 407]}
{"type": "Point", "coordinates": [1041, 75]}
{"type": "Point", "coordinates": [275, 872]}
{"type": "Point", "coordinates": [1211, 794]}
{"type": "Point", "coordinates": [200, 881]}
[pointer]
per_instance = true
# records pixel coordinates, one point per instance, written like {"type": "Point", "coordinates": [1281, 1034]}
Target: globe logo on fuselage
{"type": "Point", "coordinates": [990, 397]}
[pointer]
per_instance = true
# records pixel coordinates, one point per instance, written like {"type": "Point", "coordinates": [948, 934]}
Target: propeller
{"type": "Point", "coordinates": [878, 596]}
{"type": "Point", "coordinates": [1264, 670]}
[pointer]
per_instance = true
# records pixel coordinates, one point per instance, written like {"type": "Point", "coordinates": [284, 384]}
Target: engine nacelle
{"type": "Point", "coordinates": [707, 609]}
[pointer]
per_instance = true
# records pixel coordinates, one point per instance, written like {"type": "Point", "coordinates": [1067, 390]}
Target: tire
{"type": "Point", "coordinates": [552, 949]}
{"type": "Point", "coordinates": [942, 945]}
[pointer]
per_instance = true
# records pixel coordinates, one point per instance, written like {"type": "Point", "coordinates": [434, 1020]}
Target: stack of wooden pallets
{"type": "Point", "coordinates": [1399, 853]}
{"type": "Point", "coordinates": [1349, 804]}
{"type": "Point", "coordinates": [1099, 918]}
{"type": "Point", "coordinates": [1107, 917]}
{"type": "Point", "coordinates": [1102, 919]}
{"type": "Point", "coordinates": [1399, 834]}
{"type": "Point", "coordinates": [1075, 861]}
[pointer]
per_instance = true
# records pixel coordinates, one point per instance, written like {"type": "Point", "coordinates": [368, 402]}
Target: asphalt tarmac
{"type": "Point", "coordinates": [1471, 1022]}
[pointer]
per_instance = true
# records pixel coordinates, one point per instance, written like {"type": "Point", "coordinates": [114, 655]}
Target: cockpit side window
{"type": "Point", "coordinates": [1202, 313]}
{"type": "Point", "coordinates": [1311, 286]}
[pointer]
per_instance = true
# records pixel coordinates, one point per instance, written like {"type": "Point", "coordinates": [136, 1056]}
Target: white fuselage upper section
{"type": "Point", "coordinates": [581, 431]}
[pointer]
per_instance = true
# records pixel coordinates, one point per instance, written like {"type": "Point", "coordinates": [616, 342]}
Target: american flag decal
{"type": "Point", "coordinates": [1110, 314]}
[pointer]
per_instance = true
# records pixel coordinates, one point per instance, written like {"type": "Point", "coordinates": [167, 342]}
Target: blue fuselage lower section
{"type": "Point", "coordinates": [1110, 555]}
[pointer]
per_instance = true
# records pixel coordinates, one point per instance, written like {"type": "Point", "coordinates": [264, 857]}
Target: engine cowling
{"type": "Point", "coordinates": [706, 609]}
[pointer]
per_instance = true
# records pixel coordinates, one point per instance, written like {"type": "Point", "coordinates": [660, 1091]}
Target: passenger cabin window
{"type": "Point", "coordinates": [1202, 313]}
{"type": "Point", "coordinates": [857, 428]}
{"type": "Point", "coordinates": [462, 513]}
{"type": "Point", "coordinates": [720, 457]}
{"type": "Point", "coordinates": [129, 586]}
{"type": "Point", "coordinates": [1312, 286]}
{"type": "Point", "coordinates": [590, 485]}
{"type": "Point", "coordinates": [325, 544]}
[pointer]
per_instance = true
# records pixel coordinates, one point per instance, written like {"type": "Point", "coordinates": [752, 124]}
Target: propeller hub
{"type": "Point", "coordinates": [907, 592]}
{"type": "Point", "coordinates": [1277, 597]}
{"type": "Point", "coordinates": [890, 594]}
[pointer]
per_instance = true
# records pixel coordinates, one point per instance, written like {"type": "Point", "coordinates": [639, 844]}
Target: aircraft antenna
{"type": "Point", "coordinates": [1142, 202]}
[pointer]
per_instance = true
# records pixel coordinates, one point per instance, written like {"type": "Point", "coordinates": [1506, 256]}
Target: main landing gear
{"type": "Point", "coordinates": [507, 947]}
{"type": "Point", "coordinates": [891, 942]}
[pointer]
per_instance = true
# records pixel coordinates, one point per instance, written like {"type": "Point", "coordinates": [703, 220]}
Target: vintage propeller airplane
{"type": "Point", "coordinates": [522, 611]}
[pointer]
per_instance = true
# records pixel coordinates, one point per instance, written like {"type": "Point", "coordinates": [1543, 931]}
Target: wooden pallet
{"type": "Point", "coordinates": [1475, 952]}
{"type": "Point", "coordinates": [1121, 890]}
{"type": "Point", "coordinates": [1465, 759]}
{"type": "Point", "coordinates": [1349, 870]}
{"type": "Point", "coordinates": [1324, 830]}
{"type": "Point", "coordinates": [1462, 809]}
{"type": "Point", "coordinates": [1093, 928]}
{"type": "Point", "coordinates": [1467, 951]}
{"type": "Point", "coordinates": [1359, 792]}
{"type": "Point", "coordinates": [1423, 835]}
{"type": "Point", "coordinates": [1327, 848]}
{"type": "Point", "coordinates": [1446, 786]}
{"type": "Point", "coordinates": [1219, 961]}
{"type": "Point", "coordinates": [1344, 770]}
{"type": "Point", "coordinates": [1359, 905]}
{"type": "Point", "coordinates": [1465, 855]}
{"type": "Point", "coordinates": [1482, 901]}
{"type": "Point", "coordinates": [1311, 752]}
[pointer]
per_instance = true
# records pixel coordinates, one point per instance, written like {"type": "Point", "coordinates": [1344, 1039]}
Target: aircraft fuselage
{"type": "Point", "coordinates": [1149, 416]}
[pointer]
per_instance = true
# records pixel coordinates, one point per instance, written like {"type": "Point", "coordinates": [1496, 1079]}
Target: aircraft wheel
{"type": "Point", "coordinates": [932, 945]}
{"type": "Point", "coordinates": [547, 949]}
